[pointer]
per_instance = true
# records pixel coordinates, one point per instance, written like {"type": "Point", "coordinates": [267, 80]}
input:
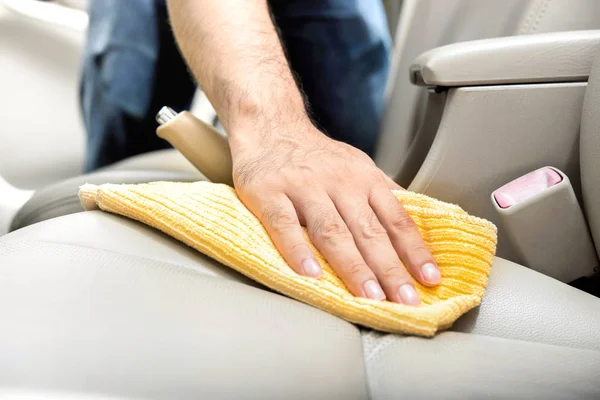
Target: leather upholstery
{"type": "Point", "coordinates": [520, 310]}
{"type": "Point", "coordinates": [110, 323]}
{"type": "Point", "coordinates": [122, 236]}
{"type": "Point", "coordinates": [525, 305]}
{"type": "Point", "coordinates": [61, 198]}
{"type": "Point", "coordinates": [466, 366]}
{"type": "Point", "coordinates": [95, 303]}
{"type": "Point", "coordinates": [163, 160]}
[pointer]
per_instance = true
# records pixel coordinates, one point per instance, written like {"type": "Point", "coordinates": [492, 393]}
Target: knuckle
{"type": "Point", "coordinates": [375, 175]}
{"type": "Point", "coordinates": [339, 178]}
{"type": "Point", "coordinates": [370, 178]}
{"type": "Point", "coordinates": [394, 204]}
{"type": "Point", "coordinates": [314, 208]}
{"type": "Point", "coordinates": [372, 231]}
{"type": "Point", "coordinates": [333, 230]}
{"type": "Point", "coordinates": [279, 219]}
{"type": "Point", "coordinates": [357, 269]}
{"type": "Point", "coordinates": [368, 225]}
{"type": "Point", "coordinates": [283, 220]}
{"type": "Point", "coordinates": [402, 222]}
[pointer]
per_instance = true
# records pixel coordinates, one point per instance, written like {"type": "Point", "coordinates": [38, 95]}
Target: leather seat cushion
{"type": "Point", "coordinates": [163, 160]}
{"type": "Point", "coordinates": [113, 323]}
{"type": "Point", "coordinates": [469, 366]}
{"type": "Point", "coordinates": [61, 198]}
{"type": "Point", "coordinates": [519, 304]}
{"type": "Point", "coordinates": [92, 302]}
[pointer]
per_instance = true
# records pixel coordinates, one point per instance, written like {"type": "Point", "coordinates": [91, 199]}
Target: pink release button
{"type": "Point", "coordinates": [526, 186]}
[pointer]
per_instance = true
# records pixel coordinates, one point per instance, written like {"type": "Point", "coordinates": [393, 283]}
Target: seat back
{"type": "Point", "coordinates": [41, 137]}
{"type": "Point", "coordinates": [426, 24]}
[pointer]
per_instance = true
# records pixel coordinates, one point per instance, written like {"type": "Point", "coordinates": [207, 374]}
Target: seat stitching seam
{"type": "Point", "coordinates": [52, 206]}
{"type": "Point", "coordinates": [540, 16]}
{"type": "Point", "coordinates": [529, 18]}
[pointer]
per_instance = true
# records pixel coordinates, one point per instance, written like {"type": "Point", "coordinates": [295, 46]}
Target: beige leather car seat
{"type": "Point", "coordinates": [97, 304]}
{"type": "Point", "coordinates": [426, 24]}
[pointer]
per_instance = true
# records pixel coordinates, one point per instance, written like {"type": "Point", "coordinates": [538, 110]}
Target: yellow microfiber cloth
{"type": "Point", "coordinates": [210, 218]}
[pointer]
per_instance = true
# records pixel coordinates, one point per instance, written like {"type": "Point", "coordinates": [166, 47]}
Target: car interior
{"type": "Point", "coordinates": [490, 105]}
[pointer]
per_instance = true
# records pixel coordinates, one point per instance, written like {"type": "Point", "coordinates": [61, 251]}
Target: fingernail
{"type": "Point", "coordinates": [431, 274]}
{"type": "Point", "coordinates": [312, 268]}
{"type": "Point", "coordinates": [373, 290]}
{"type": "Point", "coordinates": [409, 295]}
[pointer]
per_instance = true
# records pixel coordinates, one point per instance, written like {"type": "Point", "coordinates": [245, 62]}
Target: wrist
{"type": "Point", "coordinates": [267, 117]}
{"type": "Point", "coordinates": [286, 131]}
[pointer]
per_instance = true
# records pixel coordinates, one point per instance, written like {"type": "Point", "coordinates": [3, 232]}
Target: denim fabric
{"type": "Point", "coordinates": [339, 49]}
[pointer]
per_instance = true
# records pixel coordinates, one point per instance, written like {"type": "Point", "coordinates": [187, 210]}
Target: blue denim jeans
{"type": "Point", "coordinates": [339, 49]}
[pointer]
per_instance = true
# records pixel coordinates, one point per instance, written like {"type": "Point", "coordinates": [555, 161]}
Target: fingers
{"type": "Point", "coordinates": [405, 236]}
{"type": "Point", "coordinates": [279, 217]}
{"type": "Point", "coordinates": [369, 240]}
{"type": "Point", "coordinates": [374, 244]}
{"type": "Point", "coordinates": [331, 236]}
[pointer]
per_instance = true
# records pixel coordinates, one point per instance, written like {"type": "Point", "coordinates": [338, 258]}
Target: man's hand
{"type": "Point", "coordinates": [344, 200]}
{"type": "Point", "coordinates": [285, 170]}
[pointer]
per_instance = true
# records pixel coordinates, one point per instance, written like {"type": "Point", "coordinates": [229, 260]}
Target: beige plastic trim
{"type": "Point", "coordinates": [206, 148]}
{"type": "Point", "coordinates": [548, 57]}
{"type": "Point", "coordinates": [549, 233]}
{"type": "Point", "coordinates": [589, 152]}
{"type": "Point", "coordinates": [490, 135]}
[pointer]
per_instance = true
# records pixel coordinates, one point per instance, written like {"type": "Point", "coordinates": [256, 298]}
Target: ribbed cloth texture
{"type": "Point", "coordinates": [210, 218]}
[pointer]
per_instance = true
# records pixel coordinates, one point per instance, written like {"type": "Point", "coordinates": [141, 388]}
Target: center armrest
{"type": "Point", "coordinates": [539, 58]}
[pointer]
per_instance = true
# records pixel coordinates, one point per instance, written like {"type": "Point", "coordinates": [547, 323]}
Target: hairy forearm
{"type": "Point", "coordinates": [235, 54]}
